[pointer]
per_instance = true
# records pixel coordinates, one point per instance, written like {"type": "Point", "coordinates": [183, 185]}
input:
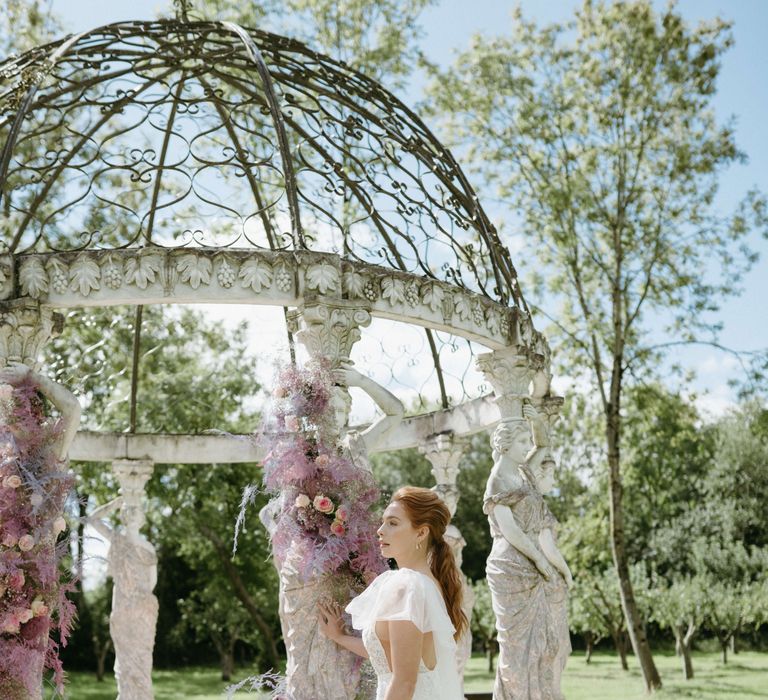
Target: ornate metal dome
{"type": "Point", "coordinates": [204, 134]}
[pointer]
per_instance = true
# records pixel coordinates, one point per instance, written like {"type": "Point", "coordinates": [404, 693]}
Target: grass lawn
{"type": "Point", "coordinates": [744, 678]}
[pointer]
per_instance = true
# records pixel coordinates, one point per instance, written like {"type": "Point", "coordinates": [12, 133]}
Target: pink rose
{"type": "Point", "coordinates": [302, 500]}
{"type": "Point", "coordinates": [323, 503]}
{"type": "Point", "coordinates": [280, 392]}
{"type": "Point", "coordinates": [59, 525]}
{"type": "Point", "coordinates": [322, 460]}
{"type": "Point", "coordinates": [16, 580]}
{"type": "Point", "coordinates": [26, 543]}
{"type": "Point", "coordinates": [38, 607]}
{"type": "Point", "coordinates": [291, 423]}
{"type": "Point", "coordinates": [24, 615]}
{"type": "Point", "coordinates": [10, 540]}
{"type": "Point", "coordinates": [36, 500]}
{"type": "Point", "coordinates": [12, 482]}
{"type": "Point", "coordinates": [342, 513]}
{"type": "Point", "coordinates": [337, 528]}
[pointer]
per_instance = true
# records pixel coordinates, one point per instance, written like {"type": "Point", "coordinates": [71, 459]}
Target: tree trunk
{"type": "Point", "coordinates": [101, 657]}
{"type": "Point", "coordinates": [724, 647]}
{"type": "Point", "coordinates": [628, 604]}
{"type": "Point", "coordinates": [241, 591]}
{"type": "Point", "coordinates": [735, 642]}
{"type": "Point", "coordinates": [589, 638]}
{"type": "Point", "coordinates": [683, 649]}
{"type": "Point", "coordinates": [490, 657]}
{"type": "Point", "coordinates": [621, 649]}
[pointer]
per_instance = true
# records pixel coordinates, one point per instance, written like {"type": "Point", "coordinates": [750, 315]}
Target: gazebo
{"type": "Point", "coordinates": [179, 161]}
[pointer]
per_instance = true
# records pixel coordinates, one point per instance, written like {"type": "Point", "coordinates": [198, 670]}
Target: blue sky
{"type": "Point", "coordinates": [741, 93]}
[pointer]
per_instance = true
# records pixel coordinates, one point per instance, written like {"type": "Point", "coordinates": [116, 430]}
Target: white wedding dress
{"type": "Point", "coordinates": [406, 594]}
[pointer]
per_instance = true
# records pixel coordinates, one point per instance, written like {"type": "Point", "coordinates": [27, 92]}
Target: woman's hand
{"type": "Point", "coordinates": [15, 373]}
{"type": "Point", "coordinates": [329, 621]}
{"type": "Point", "coordinates": [346, 375]}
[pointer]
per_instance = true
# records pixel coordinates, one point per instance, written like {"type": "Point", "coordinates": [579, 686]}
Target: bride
{"type": "Point", "coordinates": [411, 617]}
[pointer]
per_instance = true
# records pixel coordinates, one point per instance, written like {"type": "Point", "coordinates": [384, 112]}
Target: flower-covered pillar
{"type": "Point", "coordinates": [34, 484]}
{"type": "Point", "coordinates": [316, 666]}
{"type": "Point", "coordinates": [444, 452]}
{"type": "Point", "coordinates": [133, 568]}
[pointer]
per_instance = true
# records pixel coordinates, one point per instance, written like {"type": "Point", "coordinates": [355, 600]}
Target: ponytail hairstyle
{"type": "Point", "coordinates": [425, 508]}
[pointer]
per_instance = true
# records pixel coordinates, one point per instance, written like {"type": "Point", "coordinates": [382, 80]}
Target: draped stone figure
{"type": "Point", "coordinates": [316, 666]}
{"type": "Point", "coordinates": [527, 576]}
{"type": "Point", "coordinates": [133, 568]}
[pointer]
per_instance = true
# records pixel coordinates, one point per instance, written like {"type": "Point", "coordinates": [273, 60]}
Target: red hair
{"type": "Point", "coordinates": [425, 508]}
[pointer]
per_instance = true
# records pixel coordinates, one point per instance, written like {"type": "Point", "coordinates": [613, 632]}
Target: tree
{"type": "Point", "coordinates": [484, 620]}
{"type": "Point", "coordinates": [681, 607]}
{"type": "Point", "coordinates": [600, 134]}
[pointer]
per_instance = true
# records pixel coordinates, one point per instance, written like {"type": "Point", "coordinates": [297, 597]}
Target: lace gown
{"type": "Point", "coordinates": [409, 595]}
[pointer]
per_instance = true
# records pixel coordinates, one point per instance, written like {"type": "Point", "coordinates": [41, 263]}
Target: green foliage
{"type": "Point", "coordinates": [376, 37]}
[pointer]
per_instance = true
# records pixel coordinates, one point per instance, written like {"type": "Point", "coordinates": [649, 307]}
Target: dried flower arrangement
{"type": "Point", "coordinates": [34, 485]}
{"type": "Point", "coordinates": [325, 500]}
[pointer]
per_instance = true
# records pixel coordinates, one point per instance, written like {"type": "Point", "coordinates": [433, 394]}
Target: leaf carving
{"type": "Point", "coordinates": [84, 275]}
{"type": "Point", "coordinates": [194, 270]}
{"type": "Point", "coordinates": [322, 277]}
{"type": "Point", "coordinates": [256, 274]}
{"type": "Point", "coordinates": [393, 289]}
{"type": "Point", "coordinates": [142, 270]}
{"type": "Point", "coordinates": [33, 278]}
{"type": "Point", "coordinates": [433, 295]}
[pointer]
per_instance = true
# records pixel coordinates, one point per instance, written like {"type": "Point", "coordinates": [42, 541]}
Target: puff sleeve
{"type": "Point", "coordinates": [401, 595]}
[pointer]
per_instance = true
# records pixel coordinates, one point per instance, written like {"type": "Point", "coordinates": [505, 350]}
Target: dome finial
{"type": "Point", "coordinates": [182, 9]}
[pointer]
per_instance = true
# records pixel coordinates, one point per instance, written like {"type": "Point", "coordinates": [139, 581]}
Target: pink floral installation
{"type": "Point", "coordinates": [324, 501]}
{"type": "Point", "coordinates": [34, 485]}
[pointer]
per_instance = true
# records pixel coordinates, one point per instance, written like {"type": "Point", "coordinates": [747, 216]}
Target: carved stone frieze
{"type": "Point", "coordinates": [152, 275]}
{"type": "Point", "coordinates": [25, 327]}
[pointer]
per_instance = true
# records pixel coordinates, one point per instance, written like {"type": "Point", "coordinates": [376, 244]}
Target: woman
{"type": "Point", "coordinates": [411, 617]}
{"type": "Point", "coordinates": [525, 572]}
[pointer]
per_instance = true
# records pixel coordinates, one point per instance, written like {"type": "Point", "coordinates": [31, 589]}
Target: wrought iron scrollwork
{"type": "Point", "coordinates": [186, 133]}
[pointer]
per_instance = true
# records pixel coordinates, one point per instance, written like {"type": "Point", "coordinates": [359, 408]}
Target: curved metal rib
{"type": "Point", "coordinates": [291, 187]}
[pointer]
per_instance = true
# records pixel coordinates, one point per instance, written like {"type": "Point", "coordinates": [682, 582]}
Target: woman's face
{"type": "Point", "coordinates": [397, 536]}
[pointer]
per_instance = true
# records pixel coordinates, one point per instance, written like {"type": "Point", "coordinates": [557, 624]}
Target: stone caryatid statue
{"type": "Point", "coordinates": [316, 666]}
{"type": "Point", "coordinates": [444, 451]}
{"type": "Point", "coordinates": [526, 573]}
{"type": "Point", "coordinates": [133, 568]}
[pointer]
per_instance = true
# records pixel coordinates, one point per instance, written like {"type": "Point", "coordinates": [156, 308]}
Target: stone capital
{"type": "Point", "coordinates": [510, 373]}
{"type": "Point", "coordinates": [25, 328]}
{"type": "Point", "coordinates": [329, 329]}
{"type": "Point", "coordinates": [132, 475]}
{"type": "Point", "coordinates": [444, 452]}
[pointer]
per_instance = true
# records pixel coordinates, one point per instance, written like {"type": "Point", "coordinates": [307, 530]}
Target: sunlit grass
{"type": "Point", "coordinates": [744, 678]}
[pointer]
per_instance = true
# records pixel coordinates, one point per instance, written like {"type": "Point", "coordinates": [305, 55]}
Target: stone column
{"type": "Point", "coordinates": [444, 452]}
{"type": "Point", "coordinates": [133, 567]}
{"type": "Point", "coordinates": [318, 667]}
